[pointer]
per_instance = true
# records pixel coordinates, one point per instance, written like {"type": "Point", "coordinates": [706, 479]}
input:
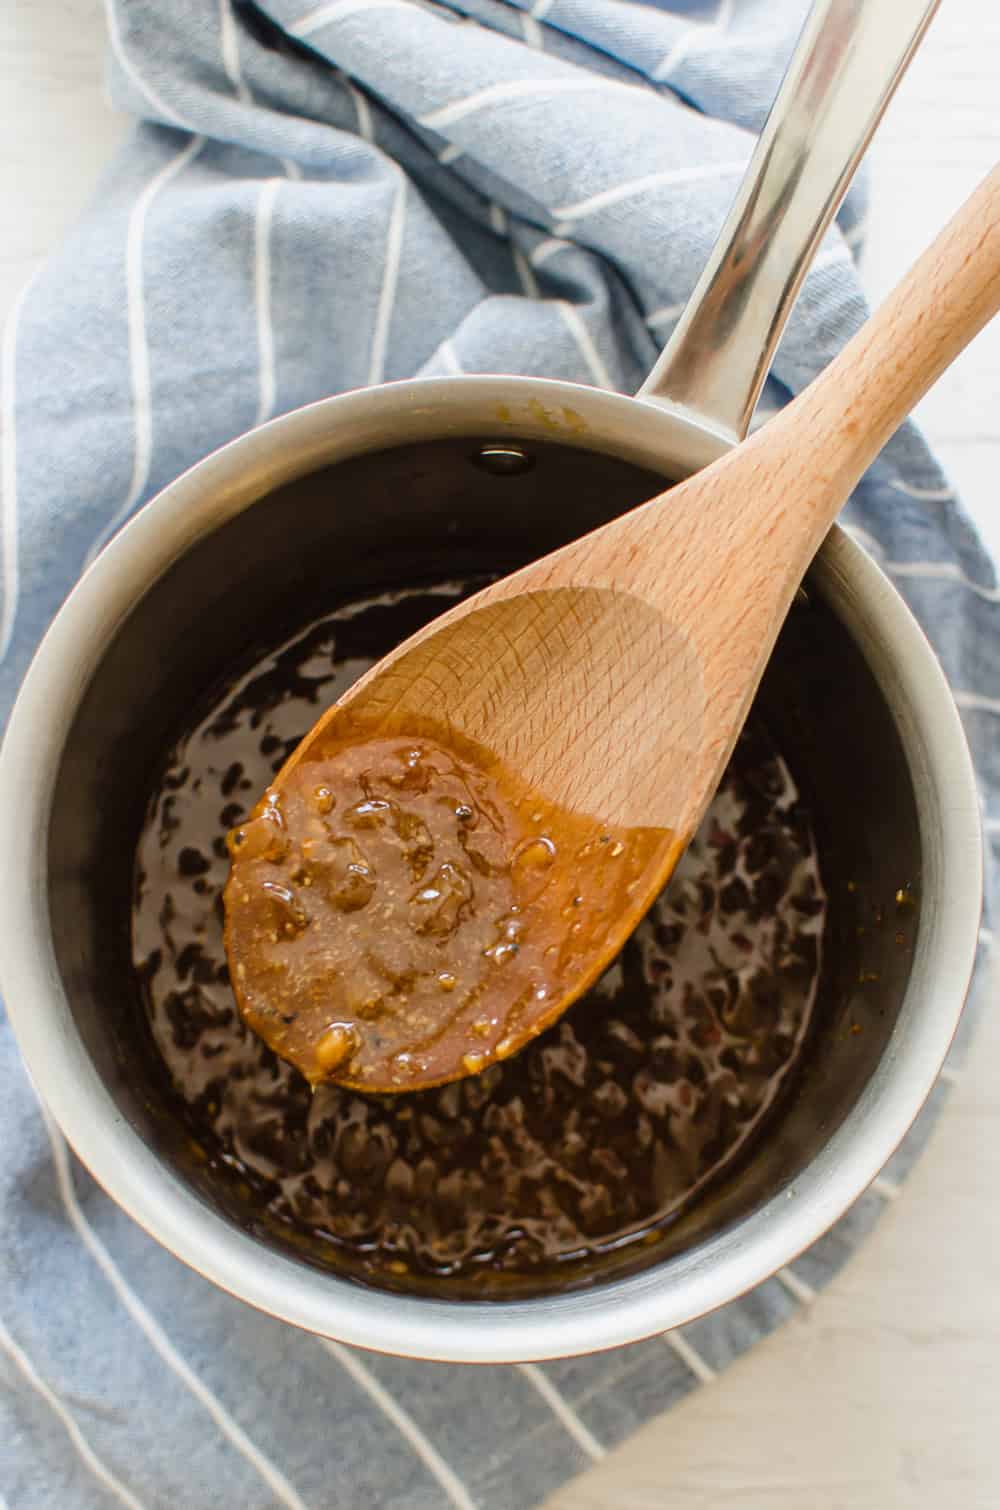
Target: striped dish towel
{"type": "Point", "coordinates": [316, 197]}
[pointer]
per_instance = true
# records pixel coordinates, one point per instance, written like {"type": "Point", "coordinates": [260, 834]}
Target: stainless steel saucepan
{"type": "Point", "coordinates": [259, 527]}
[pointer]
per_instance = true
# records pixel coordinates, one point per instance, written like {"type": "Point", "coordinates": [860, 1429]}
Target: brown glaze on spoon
{"type": "Point", "coordinates": [567, 726]}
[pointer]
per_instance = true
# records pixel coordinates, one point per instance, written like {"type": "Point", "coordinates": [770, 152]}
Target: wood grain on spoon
{"type": "Point", "coordinates": [592, 700]}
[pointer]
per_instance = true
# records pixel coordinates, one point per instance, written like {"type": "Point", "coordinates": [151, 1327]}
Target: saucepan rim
{"type": "Point", "coordinates": [611, 1312]}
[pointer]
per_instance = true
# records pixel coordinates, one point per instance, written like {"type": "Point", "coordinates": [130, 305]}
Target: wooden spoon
{"type": "Point", "coordinates": [609, 680]}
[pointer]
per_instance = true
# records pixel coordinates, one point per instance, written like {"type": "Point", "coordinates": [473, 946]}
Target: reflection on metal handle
{"type": "Point", "coordinates": [849, 59]}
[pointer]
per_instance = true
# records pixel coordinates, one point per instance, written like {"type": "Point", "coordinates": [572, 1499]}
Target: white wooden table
{"type": "Point", "coordinates": [885, 1393]}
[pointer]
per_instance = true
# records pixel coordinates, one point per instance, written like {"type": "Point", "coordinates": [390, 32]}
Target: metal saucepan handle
{"type": "Point", "coordinates": [848, 61]}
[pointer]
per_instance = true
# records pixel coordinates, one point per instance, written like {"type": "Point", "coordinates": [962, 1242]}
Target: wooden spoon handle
{"type": "Point", "coordinates": [721, 554]}
{"type": "Point", "coordinates": [845, 417]}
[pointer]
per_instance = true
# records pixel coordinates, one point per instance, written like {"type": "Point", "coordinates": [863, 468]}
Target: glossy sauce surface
{"type": "Point", "coordinates": [594, 1137]}
{"type": "Point", "coordinates": [401, 911]}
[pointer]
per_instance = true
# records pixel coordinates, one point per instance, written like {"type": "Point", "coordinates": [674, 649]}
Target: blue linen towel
{"type": "Point", "coordinates": [316, 197]}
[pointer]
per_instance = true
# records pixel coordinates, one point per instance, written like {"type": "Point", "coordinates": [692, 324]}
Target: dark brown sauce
{"type": "Point", "coordinates": [596, 1135]}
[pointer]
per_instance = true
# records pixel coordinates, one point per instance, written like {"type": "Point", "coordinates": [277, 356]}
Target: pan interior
{"type": "Point", "coordinates": [423, 513]}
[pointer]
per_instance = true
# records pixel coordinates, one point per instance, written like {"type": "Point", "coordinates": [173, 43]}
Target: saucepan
{"type": "Point", "coordinates": [409, 481]}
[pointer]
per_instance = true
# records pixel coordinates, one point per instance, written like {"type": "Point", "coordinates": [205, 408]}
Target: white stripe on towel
{"type": "Point", "coordinates": [977, 702]}
{"type": "Point", "coordinates": [449, 356]}
{"type": "Point", "coordinates": [867, 542]}
{"type": "Point", "coordinates": [138, 348]}
{"type": "Point", "coordinates": [887, 1189]}
{"type": "Point", "coordinates": [796, 1286]}
{"type": "Point", "coordinates": [563, 1411]}
{"type": "Point", "coordinates": [635, 186]}
{"type": "Point", "coordinates": [86, 1452]}
{"type": "Point", "coordinates": [154, 1333]}
{"type": "Point", "coordinates": [584, 340]}
{"type": "Point", "coordinates": [665, 314]}
{"type": "Point", "coordinates": [404, 1423]}
{"type": "Point", "coordinates": [548, 248]}
{"type": "Point", "coordinates": [931, 571]}
{"type": "Point", "coordinates": [922, 495]}
{"type": "Point", "coordinates": [266, 384]}
{"type": "Point", "coordinates": [315, 20]}
{"type": "Point", "coordinates": [700, 1367]}
{"type": "Point", "coordinates": [390, 279]}
{"type": "Point", "coordinates": [941, 571]}
{"type": "Point", "coordinates": [366, 126]}
{"type": "Point", "coordinates": [532, 31]}
{"type": "Point", "coordinates": [516, 89]}
{"type": "Point", "coordinates": [525, 272]}
{"type": "Point", "coordinates": [694, 35]}
{"type": "Point", "coordinates": [229, 46]}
